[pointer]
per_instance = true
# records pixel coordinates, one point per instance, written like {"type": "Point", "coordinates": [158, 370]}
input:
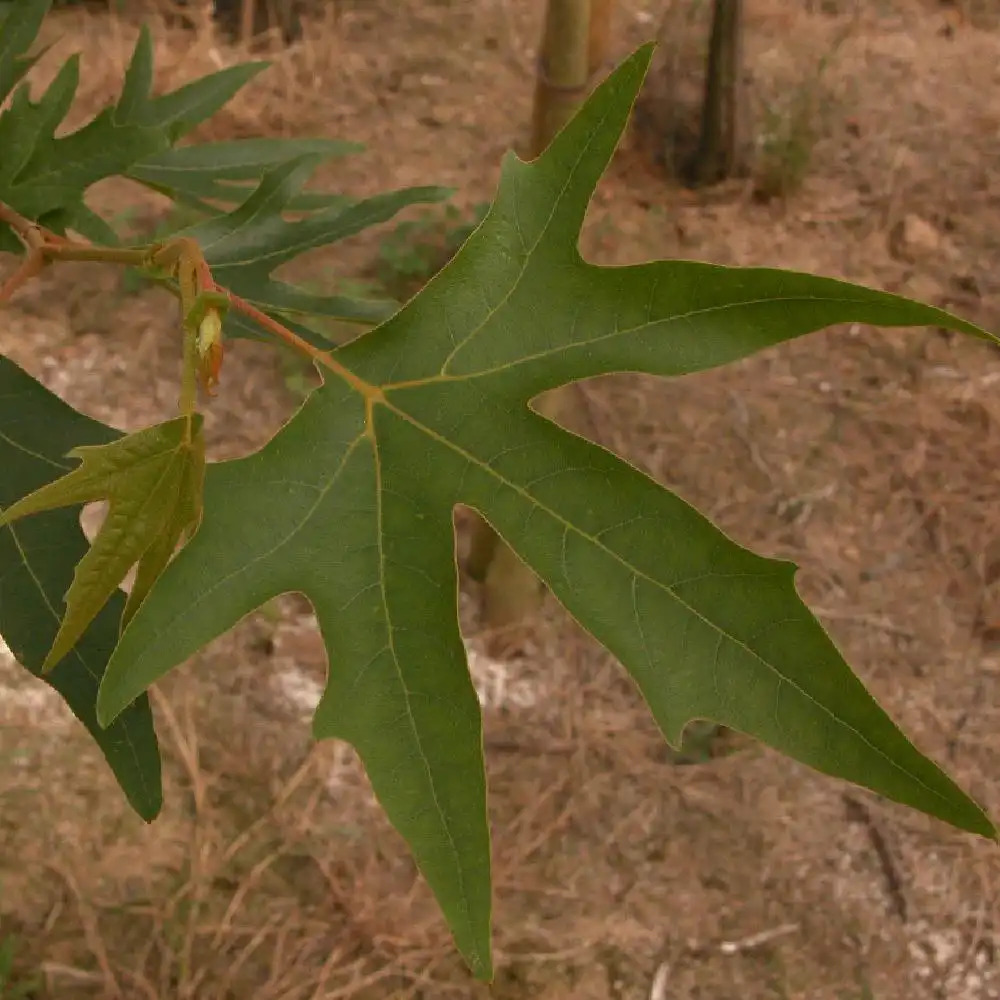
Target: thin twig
{"type": "Point", "coordinates": [324, 358]}
{"type": "Point", "coordinates": [184, 258]}
{"type": "Point", "coordinates": [858, 812]}
{"type": "Point", "coordinates": [756, 940]}
{"type": "Point", "coordinates": [16, 221]}
{"type": "Point", "coordinates": [188, 751]}
{"type": "Point", "coordinates": [247, 883]}
{"type": "Point", "coordinates": [29, 268]}
{"type": "Point", "coordinates": [287, 791]}
{"type": "Point", "coordinates": [658, 988]}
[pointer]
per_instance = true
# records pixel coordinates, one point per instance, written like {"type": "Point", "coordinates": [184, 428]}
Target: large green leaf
{"type": "Point", "coordinates": [351, 503]}
{"type": "Point", "coordinates": [37, 557]}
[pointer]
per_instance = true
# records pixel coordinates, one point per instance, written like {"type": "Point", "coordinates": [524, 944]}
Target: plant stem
{"type": "Point", "coordinates": [17, 222]}
{"type": "Point", "coordinates": [184, 257]}
{"type": "Point", "coordinates": [325, 358]}
{"type": "Point", "coordinates": [563, 69]}
{"type": "Point", "coordinates": [572, 54]}
{"type": "Point", "coordinates": [189, 372]}
{"type": "Point", "coordinates": [29, 268]}
{"type": "Point", "coordinates": [722, 106]}
{"type": "Point", "coordinates": [129, 256]}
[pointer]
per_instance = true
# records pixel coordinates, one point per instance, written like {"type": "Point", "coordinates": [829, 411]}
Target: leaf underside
{"type": "Point", "coordinates": [351, 504]}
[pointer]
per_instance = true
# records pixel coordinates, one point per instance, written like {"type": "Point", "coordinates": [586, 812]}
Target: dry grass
{"type": "Point", "coordinates": [868, 458]}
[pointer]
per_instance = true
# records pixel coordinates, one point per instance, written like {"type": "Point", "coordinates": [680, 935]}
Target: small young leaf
{"type": "Point", "coordinates": [152, 480]}
{"type": "Point", "coordinates": [182, 521]}
{"type": "Point", "coordinates": [37, 559]}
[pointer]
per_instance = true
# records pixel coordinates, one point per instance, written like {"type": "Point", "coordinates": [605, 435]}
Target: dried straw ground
{"type": "Point", "coordinates": [868, 458]}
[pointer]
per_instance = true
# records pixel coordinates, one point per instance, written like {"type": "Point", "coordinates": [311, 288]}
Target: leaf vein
{"type": "Point", "coordinates": [568, 526]}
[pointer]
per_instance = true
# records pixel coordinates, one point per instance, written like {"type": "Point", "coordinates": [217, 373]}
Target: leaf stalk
{"type": "Point", "coordinates": [202, 300]}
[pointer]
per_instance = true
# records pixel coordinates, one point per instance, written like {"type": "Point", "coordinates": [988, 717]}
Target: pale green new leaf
{"type": "Point", "coordinates": [152, 481]}
{"type": "Point", "coordinates": [182, 516]}
{"type": "Point", "coordinates": [351, 504]}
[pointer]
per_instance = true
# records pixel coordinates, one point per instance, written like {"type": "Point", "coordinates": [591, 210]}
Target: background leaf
{"type": "Point", "coordinates": [45, 178]}
{"type": "Point", "coordinates": [244, 247]}
{"type": "Point", "coordinates": [220, 171]}
{"type": "Point", "coordinates": [19, 27]}
{"type": "Point", "coordinates": [37, 560]}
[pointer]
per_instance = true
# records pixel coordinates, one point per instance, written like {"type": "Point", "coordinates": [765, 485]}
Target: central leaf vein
{"type": "Point", "coordinates": [407, 694]}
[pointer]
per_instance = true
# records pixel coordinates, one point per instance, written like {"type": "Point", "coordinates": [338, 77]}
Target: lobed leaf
{"type": "Point", "coordinates": [45, 178]}
{"type": "Point", "coordinates": [244, 247]}
{"type": "Point", "coordinates": [152, 480]}
{"type": "Point", "coordinates": [351, 504]}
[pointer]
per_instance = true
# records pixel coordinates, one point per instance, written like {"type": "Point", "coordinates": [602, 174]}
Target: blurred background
{"type": "Point", "coordinates": [861, 140]}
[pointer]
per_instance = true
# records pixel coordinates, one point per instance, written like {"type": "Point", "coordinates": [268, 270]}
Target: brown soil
{"type": "Point", "coordinates": [865, 456]}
